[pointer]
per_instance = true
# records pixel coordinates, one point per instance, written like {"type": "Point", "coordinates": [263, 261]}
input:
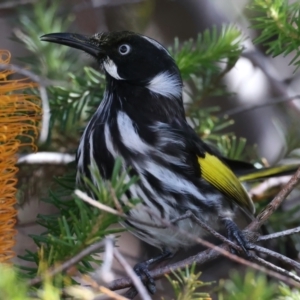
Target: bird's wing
{"type": "Point", "coordinates": [215, 171]}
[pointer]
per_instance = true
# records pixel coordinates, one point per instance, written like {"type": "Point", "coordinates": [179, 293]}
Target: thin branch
{"type": "Point", "coordinates": [282, 271]}
{"type": "Point", "coordinates": [130, 272]}
{"type": "Point", "coordinates": [243, 109]}
{"type": "Point", "coordinates": [275, 203]}
{"type": "Point", "coordinates": [46, 114]}
{"type": "Point", "coordinates": [260, 190]}
{"type": "Point", "coordinates": [53, 158]}
{"type": "Point", "coordinates": [105, 273]}
{"type": "Point", "coordinates": [277, 86]}
{"type": "Point", "coordinates": [110, 294]}
{"type": "Point", "coordinates": [277, 255]}
{"type": "Point", "coordinates": [70, 262]}
{"type": "Point", "coordinates": [219, 236]}
{"type": "Point", "coordinates": [12, 4]}
{"type": "Point", "coordinates": [103, 3]}
{"type": "Point", "coordinates": [83, 196]}
{"type": "Point", "coordinates": [279, 234]}
{"type": "Point", "coordinates": [215, 251]}
{"type": "Point", "coordinates": [200, 258]}
{"type": "Point", "coordinates": [27, 73]}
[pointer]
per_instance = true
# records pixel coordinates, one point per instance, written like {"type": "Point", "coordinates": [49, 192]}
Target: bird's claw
{"type": "Point", "coordinates": [236, 235]}
{"type": "Point", "coordinates": [142, 270]}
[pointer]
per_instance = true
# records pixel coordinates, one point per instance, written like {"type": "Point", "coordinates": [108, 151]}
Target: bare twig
{"type": "Point", "coordinates": [105, 273]}
{"type": "Point", "coordinates": [219, 236]}
{"type": "Point", "coordinates": [116, 201]}
{"type": "Point", "coordinates": [102, 3]}
{"type": "Point", "coordinates": [277, 86]}
{"type": "Point", "coordinates": [70, 262]}
{"type": "Point", "coordinates": [200, 258]}
{"type": "Point", "coordinates": [83, 292]}
{"type": "Point", "coordinates": [279, 234]}
{"type": "Point", "coordinates": [275, 203]}
{"type": "Point", "coordinates": [243, 109]}
{"type": "Point", "coordinates": [277, 255]}
{"type": "Point", "coordinates": [277, 269]}
{"type": "Point", "coordinates": [215, 251]}
{"type": "Point", "coordinates": [83, 196]}
{"type": "Point", "coordinates": [27, 73]}
{"type": "Point", "coordinates": [12, 4]}
{"type": "Point", "coordinates": [46, 114]}
{"type": "Point", "coordinates": [135, 279]}
{"type": "Point", "coordinates": [110, 294]}
{"type": "Point", "coordinates": [260, 190]}
{"type": "Point", "coordinates": [53, 158]}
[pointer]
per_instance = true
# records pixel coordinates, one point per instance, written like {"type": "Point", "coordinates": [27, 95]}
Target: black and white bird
{"type": "Point", "coordinates": [142, 120]}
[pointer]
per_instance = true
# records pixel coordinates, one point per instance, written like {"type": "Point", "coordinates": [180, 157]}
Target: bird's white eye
{"type": "Point", "coordinates": [124, 49]}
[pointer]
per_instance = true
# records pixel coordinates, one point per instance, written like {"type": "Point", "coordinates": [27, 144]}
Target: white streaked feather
{"type": "Point", "coordinates": [111, 69]}
{"type": "Point", "coordinates": [171, 181]}
{"type": "Point", "coordinates": [166, 136]}
{"type": "Point", "coordinates": [80, 155]}
{"type": "Point", "coordinates": [108, 141]}
{"type": "Point", "coordinates": [133, 142]}
{"type": "Point", "coordinates": [92, 161]}
{"type": "Point", "coordinates": [166, 84]}
{"type": "Point", "coordinates": [129, 136]}
{"type": "Point", "coordinates": [104, 108]}
{"type": "Point", "coordinates": [156, 44]}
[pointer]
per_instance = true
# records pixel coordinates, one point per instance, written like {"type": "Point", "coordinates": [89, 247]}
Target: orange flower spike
{"type": "Point", "coordinates": [19, 116]}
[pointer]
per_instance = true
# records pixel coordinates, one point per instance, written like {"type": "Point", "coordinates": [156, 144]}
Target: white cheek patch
{"type": "Point", "coordinates": [167, 85]}
{"type": "Point", "coordinates": [111, 69]}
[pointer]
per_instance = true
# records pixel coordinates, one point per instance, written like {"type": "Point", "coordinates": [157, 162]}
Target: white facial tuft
{"type": "Point", "coordinates": [167, 85]}
{"type": "Point", "coordinates": [111, 69]}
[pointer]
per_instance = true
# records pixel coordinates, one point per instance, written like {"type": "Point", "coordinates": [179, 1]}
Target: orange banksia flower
{"type": "Point", "coordinates": [19, 116]}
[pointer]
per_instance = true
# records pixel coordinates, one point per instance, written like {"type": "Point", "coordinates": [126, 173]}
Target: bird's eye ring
{"type": "Point", "coordinates": [124, 49]}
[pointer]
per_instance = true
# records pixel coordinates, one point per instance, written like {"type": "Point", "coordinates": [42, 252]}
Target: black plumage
{"type": "Point", "coordinates": [142, 120]}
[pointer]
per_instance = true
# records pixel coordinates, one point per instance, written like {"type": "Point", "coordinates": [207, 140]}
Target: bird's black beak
{"type": "Point", "coordinates": [74, 40]}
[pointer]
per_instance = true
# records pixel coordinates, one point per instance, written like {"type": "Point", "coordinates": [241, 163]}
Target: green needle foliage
{"type": "Point", "coordinates": [251, 286]}
{"type": "Point", "coordinates": [279, 24]}
{"type": "Point", "coordinates": [47, 59]}
{"type": "Point", "coordinates": [206, 60]}
{"type": "Point", "coordinates": [211, 47]}
{"type": "Point", "coordinates": [186, 284]}
{"type": "Point", "coordinates": [11, 286]}
{"type": "Point", "coordinates": [77, 225]}
{"type": "Point", "coordinates": [73, 104]}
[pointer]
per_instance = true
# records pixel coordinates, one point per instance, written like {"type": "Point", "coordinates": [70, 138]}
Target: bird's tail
{"type": "Point", "coordinates": [258, 174]}
{"type": "Point", "coordinates": [248, 172]}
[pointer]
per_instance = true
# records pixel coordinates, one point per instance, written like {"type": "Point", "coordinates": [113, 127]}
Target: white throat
{"type": "Point", "coordinates": [111, 68]}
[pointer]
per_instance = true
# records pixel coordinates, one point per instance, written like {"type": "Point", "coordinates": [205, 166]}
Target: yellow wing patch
{"type": "Point", "coordinates": [221, 177]}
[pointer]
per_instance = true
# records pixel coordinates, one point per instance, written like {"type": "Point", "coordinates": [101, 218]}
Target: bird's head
{"type": "Point", "coordinates": [128, 57]}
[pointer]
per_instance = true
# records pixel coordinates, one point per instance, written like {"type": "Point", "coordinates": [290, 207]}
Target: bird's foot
{"type": "Point", "coordinates": [234, 234]}
{"type": "Point", "coordinates": [142, 270]}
